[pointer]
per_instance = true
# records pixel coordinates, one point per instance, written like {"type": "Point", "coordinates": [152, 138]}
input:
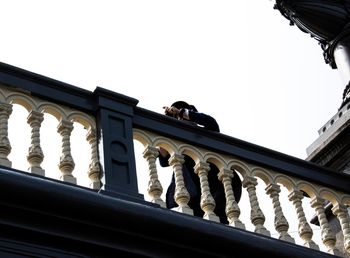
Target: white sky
{"type": "Point", "coordinates": [239, 61]}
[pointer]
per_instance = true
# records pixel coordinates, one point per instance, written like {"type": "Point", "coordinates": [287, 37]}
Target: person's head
{"type": "Point", "coordinates": [182, 104]}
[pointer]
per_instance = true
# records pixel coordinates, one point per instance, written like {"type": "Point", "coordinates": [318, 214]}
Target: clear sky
{"type": "Point", "coordinates": [264, 81]}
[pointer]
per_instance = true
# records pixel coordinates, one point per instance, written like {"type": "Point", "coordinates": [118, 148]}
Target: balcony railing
{"type": "Point", "coordinates": [113, 123]}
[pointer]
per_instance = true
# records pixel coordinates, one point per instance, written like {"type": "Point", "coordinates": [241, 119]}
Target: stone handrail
{"type": "Point", "coordinates": [106, 115]}
{"type": "Point", "coordinates": [250, 172]}
{"type": "Point", "coordinates": [65, 116]}
{"type": "Point", "coordinates": [113, 122]}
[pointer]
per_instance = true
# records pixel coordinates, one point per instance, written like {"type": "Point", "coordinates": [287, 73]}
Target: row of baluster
{"type": "Point", "coordinates": [257, 217]}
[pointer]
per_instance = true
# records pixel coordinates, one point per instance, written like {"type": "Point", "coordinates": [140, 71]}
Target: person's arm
{"type": "Point", "coordinates": [202, 119]}
{"type": "Point", "coordinates": [163, 157]}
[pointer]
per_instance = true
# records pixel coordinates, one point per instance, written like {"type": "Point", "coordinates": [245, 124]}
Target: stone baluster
{"type": "Point", "coordinates": [155, 188]}
{"type": "Point", "coordinates": [94, 171]}
{"type": "Point", "coordinates": [66, 164]}
{"type": "Point", "coordinates": [281, 223]}
{"type": "Point", "coordinates": [207, 200]}
{"type": "Point", "coordinates": [5, 146]}
{"type": "Point", "coordinates": [327, 235]}
{"type": "Point", "coordinates": [256, 215]}
{"type": "Point", "coordinates": [304, 229]}
{"type": "Point", "coordinates": [232, 208]}
{"type": "Point", "coordinates": [35, 154]}
{"type": "Point", "coordinates": [182, 197]}
{"type": "Point", "coordinates": [342, 214]}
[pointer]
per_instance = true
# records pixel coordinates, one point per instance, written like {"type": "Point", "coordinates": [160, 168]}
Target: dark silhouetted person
{"type": "Point", "coordinates": [183, 111]}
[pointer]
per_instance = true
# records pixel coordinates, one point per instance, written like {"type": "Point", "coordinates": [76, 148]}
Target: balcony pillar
{"type": "Point", "coordinates": [207, 200]}
{"type": "Point", "coordinates": [327, 235]}
{"type": "Point", "coordinates": [257, 217]}
{"type": "Point", "coordinates": [5, 146]}
{"type": "Point", "coordinates": [341, 212]}
{"type": "Point", "coordinates": [232, 208]}
{"type": "Point", "coordinates": [182, 197]}
{"type": "Point", "coordinates": [115, 135]}
{"type": "Point", "coordinates": [155, 188]}
{"type": "Point", "coordinates": [304, 229]}
{"type": "Point", "coordinates": [35, 154]}
{"type": "Point", "coordinates": [66, 164]}
{"type": "Point", "coordinates": [94, 171]}
{"type": "Point", "coordinates": [281, 223]}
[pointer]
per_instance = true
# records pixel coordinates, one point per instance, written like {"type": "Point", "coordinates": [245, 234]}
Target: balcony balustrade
{"type": "Point", "coordinates": [114, 124]}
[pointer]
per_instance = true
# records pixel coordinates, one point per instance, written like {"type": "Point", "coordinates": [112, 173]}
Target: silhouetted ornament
{"type": "Point", "coordinates": [346, 96]}
{"type": "Point", "coordinates": [326, 20]}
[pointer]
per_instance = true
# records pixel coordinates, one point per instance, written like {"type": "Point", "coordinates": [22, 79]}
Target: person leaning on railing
{"type": "Point", "coordinates": [183, 111]}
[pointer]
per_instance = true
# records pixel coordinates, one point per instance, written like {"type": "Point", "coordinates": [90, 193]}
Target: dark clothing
{"type": "Point", "coordinates": [192, 182]}
{"type": "Point", "coordinates": [204, 120]}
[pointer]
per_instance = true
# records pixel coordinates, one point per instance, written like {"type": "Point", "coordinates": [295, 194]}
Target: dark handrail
{"type": "Point", "coordinates": [118, 114]}
{"type": "Point", "coordinates": [255, 154]}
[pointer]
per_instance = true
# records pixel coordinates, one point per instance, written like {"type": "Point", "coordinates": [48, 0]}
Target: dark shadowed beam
{"type": "Point", "coordinates": [82, 222]}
